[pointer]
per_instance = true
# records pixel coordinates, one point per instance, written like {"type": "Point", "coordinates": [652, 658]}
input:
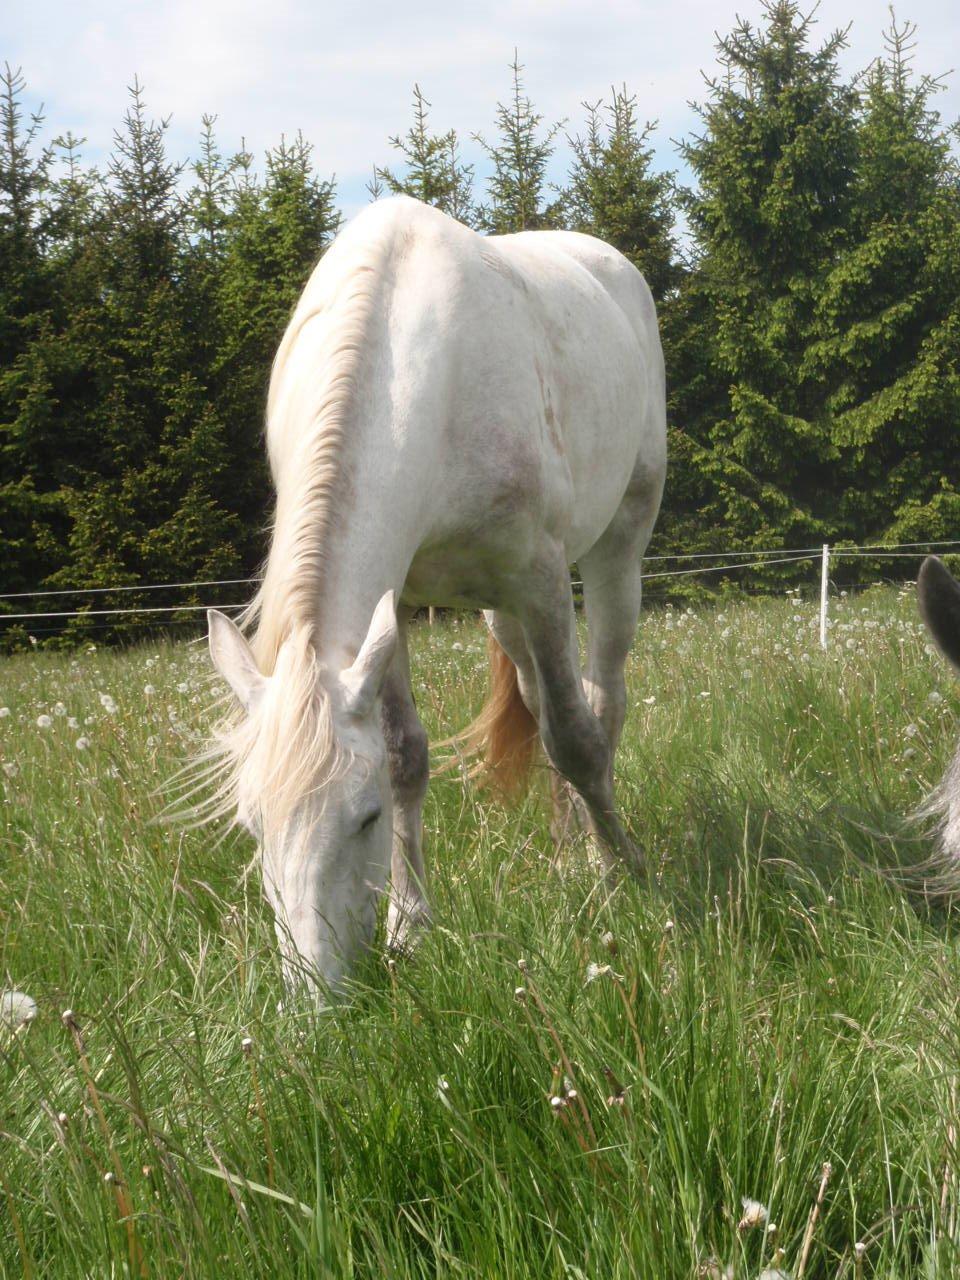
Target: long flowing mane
{"type": "Point", "coordinates": [313, 388]}
{"type": "Point", "coordinates": [286, 746]}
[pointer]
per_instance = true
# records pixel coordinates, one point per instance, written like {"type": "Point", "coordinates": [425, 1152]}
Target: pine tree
{"type": "Point", "coordinates": [613, 193]}
{"type": "Point", "coordinates": [517, 188]}
{"type": "Point", "coordinates": [434, 171]}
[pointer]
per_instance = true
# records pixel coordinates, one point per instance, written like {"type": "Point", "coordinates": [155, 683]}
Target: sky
{"type": "Point", "coordinates": [343, 72]}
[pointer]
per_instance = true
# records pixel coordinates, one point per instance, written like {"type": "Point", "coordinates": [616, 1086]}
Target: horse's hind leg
{"type": "Point", "coordinates": [408, 757]}
{"type": "Point", "coordinates": [577, 742]}
{"type": "Point", "coordinates": [611, 573]}
{"type": "Point", "coordinates": [508, 633]}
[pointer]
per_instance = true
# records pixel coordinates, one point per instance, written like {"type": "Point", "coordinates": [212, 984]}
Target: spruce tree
{"type": "Point", "coordinates": [153, 504]}
{"type": "Point", "coordinates": [28, 292]}
{"type": "Point", "coordinates": [276, 230]}
{"type": "Point", "coordinates": [888, 315]}
{"type": "Point", "coordinates": [775, 167]}
{"type": "Point", "coordinates": [434, 171]}
{"type": "Point", "coordinates": [517, 188]}
{"type": "Point", "coordinates": [612, 191]}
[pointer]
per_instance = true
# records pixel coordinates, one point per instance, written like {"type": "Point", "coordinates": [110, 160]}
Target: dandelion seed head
{"type": "Point", "coordinates": [755, 1214]}
{"type": "Point", "coordinates": [17, 1008]}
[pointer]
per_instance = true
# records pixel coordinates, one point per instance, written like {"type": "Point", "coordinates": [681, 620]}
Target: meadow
{"type": "Point", "coordinates": [747, 1064]}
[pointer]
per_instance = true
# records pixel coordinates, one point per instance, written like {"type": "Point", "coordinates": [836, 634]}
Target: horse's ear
{"type": "Point", "coordinates": [364, 680]}
{"type": "Point", "coordinates": [233, 659]}
{"type": "Point", "coordinates": [939, 596]}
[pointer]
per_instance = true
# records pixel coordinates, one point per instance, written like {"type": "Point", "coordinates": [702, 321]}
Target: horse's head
{"type": "Point", "coordinates": [939, 596]}
{"type": "Point", "coordinates": [308, 776]}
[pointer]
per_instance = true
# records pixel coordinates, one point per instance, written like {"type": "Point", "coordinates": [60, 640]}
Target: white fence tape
{"type": "Point", "coordinates": [771, 556]}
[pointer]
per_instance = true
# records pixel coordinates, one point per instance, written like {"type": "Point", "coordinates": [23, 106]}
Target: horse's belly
{"type": "Point", "coordinates": [457, 577]}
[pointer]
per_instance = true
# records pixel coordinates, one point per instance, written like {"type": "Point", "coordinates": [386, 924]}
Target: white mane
{"type": "Point", "coordinates": [287, 746]}
{"type": "Point", "coordinates": [313, 388]}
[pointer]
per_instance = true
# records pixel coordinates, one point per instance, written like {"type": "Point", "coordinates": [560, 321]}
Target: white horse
{"type": "Point", "coordinates": [452, 419]}
{"type": "Point", "coordinates": [939, 595]}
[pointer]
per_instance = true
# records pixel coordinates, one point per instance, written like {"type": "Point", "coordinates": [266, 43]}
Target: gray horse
{"type": "Point", "coordinates": [939, 594]}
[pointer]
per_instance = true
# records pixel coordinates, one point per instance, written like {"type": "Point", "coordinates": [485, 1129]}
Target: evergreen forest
{"type": "Point", "coordinates": [806, 269]}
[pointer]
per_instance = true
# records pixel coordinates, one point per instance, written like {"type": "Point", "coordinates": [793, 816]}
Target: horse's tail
{"type": "Point", "coordinates": [504, 734]}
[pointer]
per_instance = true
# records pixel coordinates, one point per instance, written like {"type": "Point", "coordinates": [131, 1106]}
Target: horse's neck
{"type": "Point", "coordinates": [368, 541]}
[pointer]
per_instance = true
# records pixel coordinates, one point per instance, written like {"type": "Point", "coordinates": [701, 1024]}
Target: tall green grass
{"type": "Point", "coordinates": [564, 1081]}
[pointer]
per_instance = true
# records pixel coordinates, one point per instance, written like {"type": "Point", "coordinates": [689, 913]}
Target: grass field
{"type": "Point", "coordinates": [558, 1084]}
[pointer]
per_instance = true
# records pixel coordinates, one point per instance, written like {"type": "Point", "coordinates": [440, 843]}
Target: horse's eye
{"type": "Point", "coordinates": [369, 820]}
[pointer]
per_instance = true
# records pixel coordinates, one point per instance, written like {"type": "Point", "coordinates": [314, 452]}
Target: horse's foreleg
{"type": "Point", "coordinates": [408, 757]}
{"type": "Point", "coordinates": [576, 740]}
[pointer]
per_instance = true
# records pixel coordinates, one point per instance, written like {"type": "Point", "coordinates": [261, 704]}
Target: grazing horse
{"type": "Point", "coordinates": [452, 419]}
{"type": "Point", "coordinates": [939, 595]}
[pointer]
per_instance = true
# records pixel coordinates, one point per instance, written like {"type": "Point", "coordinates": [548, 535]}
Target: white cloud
{"type": "Point", "coordinates": [343, 72]}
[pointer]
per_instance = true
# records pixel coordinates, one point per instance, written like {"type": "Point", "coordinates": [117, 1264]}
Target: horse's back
{"type": "Point", "coordinates": [615, 274]}
{"type": "Point", "coordinates": [589, 331]}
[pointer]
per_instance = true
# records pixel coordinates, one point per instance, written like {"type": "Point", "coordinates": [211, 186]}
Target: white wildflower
{"type": "Point", "coordinates": [149, 690]}
{"type": "Point", "coordinates": [83, 743]}
{"type": "Point", "coordinates": [44, 722]}
{"type": "Point", "coordinates": [4, 712]}
{"type": "Point", "coordinates": [59, 709]}
{"type": "Point", "coordinates": [73, 722]}
{"type": "Point", "coordinates": [10, 769]}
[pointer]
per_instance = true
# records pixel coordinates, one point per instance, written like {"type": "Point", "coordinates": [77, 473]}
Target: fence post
{"type": "Point", "coordinates": [824, 587]}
